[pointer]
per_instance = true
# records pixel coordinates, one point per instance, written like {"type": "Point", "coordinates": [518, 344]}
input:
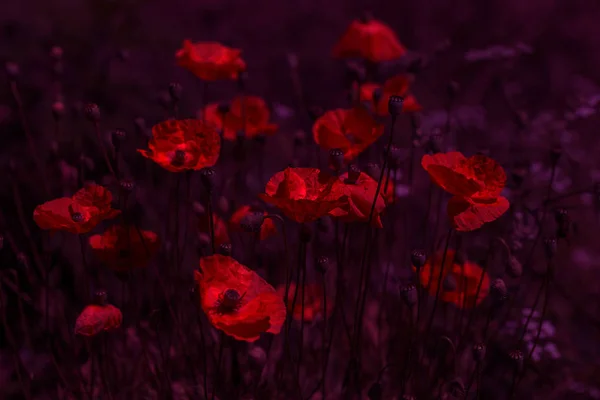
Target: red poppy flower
{"type": "Point", "coordinates": [476, 183]}
{"type": "Point", "coordinates": [95, 319]}
{"type": "Point", "coordinates": [360, 200]}
{"type": "Point", "coordinates": [238, 301]}
{"type": "Point", "coordinates": [304, 194]}
{"type": "Point", "coordinates": [351, 131]}
{"type": "Point", "coordinates": [313, 301]}
{"type": "Point", "coordinates": [122, 249]}
{"type": "Point", "coordinates": [249, 114]}
{"type": "Point", "coordinates": [210, 61]}
{"type": "Point", "coordinates": [396, 86]}
{"type": "Point", "coordinates": [267, 228]}
{"type": "Point", "coordinates": [78, 214]}
{"type": "Point", "coordinates": [219, 226]}
{"type": "Point", "coordinates": [372, 40]}
{"type": "Point", "coordinates": [464, 280]}
{"type": "Point", "coordinates": [183, 145]}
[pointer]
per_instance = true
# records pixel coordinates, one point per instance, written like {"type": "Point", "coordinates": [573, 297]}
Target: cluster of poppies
{"type": "Point", "coordinates": [235, 299]}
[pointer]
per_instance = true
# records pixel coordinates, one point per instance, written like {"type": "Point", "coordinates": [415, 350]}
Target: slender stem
{"type": "Point", "coordinates": [218, 365]}
{"type": "Point", "coordinates": [324, 339]}
{"type": "Point", "coordinates": [211, 222]}
{"type": "Point", "coordinates": [301, 344]}
{"type": "Point", "coordinates": [104, 152]}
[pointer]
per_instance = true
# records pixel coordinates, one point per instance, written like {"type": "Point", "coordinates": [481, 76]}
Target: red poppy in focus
{"type": "Point", "coordinates": [361, 194]}
{"type": "Point", "coordinates": [210, 61]}
{"type": "Point", "coordinates": [267, 228]}
{"type": "Point", "coordinates": [462, 291]}
{"type": "Point", "coordinates": [95, 319]}
{"type": "Point", "coordinates": [122, 249]}
{"type": "Point", "coordinates": [219, 226]}
{"type": "Point", "coordinates": [78, 214]}
{"type": "Point", "coordinates": [183, 145]}
{"type": "Point", "coordinates": [379, 96]}
{"type": "Point", "coordinates": [304, 194]}
{"type": "Point", "coordinates": [371, 40]}
{"type": "Point", "coordinates": [238, 301]}
{"type": "Point", "coordinates": [476, 183]}
{"type": "Point", "coordinates": [351, 131]}
{"type": "Point", "coordinates": [248, 114]}
{"type": "Point", "coordinates": [313, 301]}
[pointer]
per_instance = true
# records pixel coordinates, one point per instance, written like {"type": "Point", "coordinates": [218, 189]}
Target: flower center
{"type": "Point", "coordinates": [178, 157]}
{"type": "Point", "coordinates": [229, 301]}
{"type": "Point", "coordinates": [77, 217]}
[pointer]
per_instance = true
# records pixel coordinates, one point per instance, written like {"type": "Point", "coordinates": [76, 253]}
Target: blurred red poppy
{"type": "Point", "coordinates": [360, 200]}
{"type": "Point", "coordinates": [238, 301]}
{"type": "Point", "coordinates": [476, 183]}
{"type": "Point", "coordinates": [351, 131]}
{"type": "Point", "coordinates": [267, 228]}
{"type": "Point", "coordinates": [183, 145]}
{"type": "Point", "coordinates": [379, 96]}
{"type": "Point", "coordinates": [462, 291]}
{"type": "Point", "coordinates": [122, 249]}
{"type": "Point", "coordinates": [95, 319]}
{"type": "Point", "coordinates": [248, 114]}
{"type": "Point", "coordinates": [219, 226]}
{"type": "Point", "coordinates": [78, 214]}
{"type": "Point", "coordinates": [313, 301]}
{"type": "Point", "coordinates": [210, 61]}
{"type": "Point", "coordinates": [304, 194]}
{"type": "Point", "coordinates": [371, 40]}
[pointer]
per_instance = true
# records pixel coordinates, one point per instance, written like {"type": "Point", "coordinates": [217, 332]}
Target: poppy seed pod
{"type": "Point", "coordinates": [516, 356]}
{"type": "Point", "coordinates": [305, 233]}
{"type": "Point", "coordinates": [514, 268]}
{"type": "Point", "coordinates": [450, 284]}
{"type": "Point", "coordinates": [92, 112]}
{"type": "Point", "coordinates": [12, 70]}
{"type": "Point", "coordinates": [117, 137]}
{"type": "Point", "coordinates": [353, 174]}
{"type": "Point", "coordinates": [409, 294]}
{"type": "Point", "coordinates": [225, 249]}
{"type": "Point", "coordinates": [395, 104]}
{"type": "Point", "coordinates": [375, 392]}
{"type": "Point", "coordinates": [322, 264]}
{"type": "Point", "coordinates": [208, 177]}
{"type": "Point", "coordinates": [336, 159]}
{"type": "Point", "coordinates": [58, 110]}
{"type": "Point", "coordinates": [418, 258]}
{"type": "Point", "coordinates": [127, 185]}
{"type": "Point", "coordinates": [100, 297]}
{"type": "Point", "coordinates": [479, 352]}
{"type": "Point", "coordinates": [175, 91]}
{"type": "Point", "coordinates": [253, 221]}
{"type": "Point", "coordinates": [563, 222]}
{"type": "Point", "coordinates": [550, 247]}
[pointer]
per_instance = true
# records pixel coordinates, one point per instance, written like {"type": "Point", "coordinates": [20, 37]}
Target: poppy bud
{"type": "Point", "coordinates": [377, 93]}
{"type": "Point", "coordinates": [498, 289]}
{"type": "Point", "coordinates": [434, 144]}
{"type": "Point", "coordinates": [514, 268]}
{"type": "Point", "coordinates": [175, 91]}
{"type": "Point", "coordinates": [409, 294]}
{"type": "Point", "coordinates": [396, 155]}
{"type": "Point", "coordinates": [77, 217]}
{"type": "Point", "coordinates": [12, 70]}
{"type": "Point", "coordinates": [203, 243]}
{"type": "Point", "coordinates": [305, 233]}
{"type": "Point", "coordinates": [58, 110]}
{"type": "Point", "coordinates": [223, 108]}
{"type": "Point", "coordinates": [127, 185]}
{"type": "Point", "coordinates": [252, 222]}
{"type": "Point", "coordinates": [375, 392]}
{"type": "Point", "coordinates": [299, 138]}
{"type": "Point", "coordinates": [336, 159]}
{"type": "Point", "coordinates": [373, 170]}
{"type": "Point", "coordinates": [140, 126]}
{"type": "Point", "coordinates": [479, 352]}
{"type": "Point", "coordinates": [100, 297]}
{"type": "Point", "coordinates": [92, 112]}
{"type": "Point", "coordinates": [225, 249]}
{"type": "Point", "coordinates": [178, 158]}
{"type": "Point", "coordinates": [117, 137]}
{"type": "Point", "coordinates": [561, 216]}
{"type": "Point", "coordinates": [322, 264]}
{"type": "Point", "coordinates": [56, 53]}
{"type": "Point", "coordinates": [452, 89]}
{"type": "Point", "coordinates": [164, 99]}
{"type": "Point", "coordinates": [395, 104]}
{"type": "Point", "coordinates": [550, 247]}
{"type": "Point", "coordinates": [353, 174]}
{"type": "Point", "coordinates": [555, 154]}
{"type": "Point", "coordinates": [418, 258]}
{"type": "Point", "coordinates": [314, 112]}
{"type": "Point", "coordinates": [449, 284]}
{"type": "Point", "coordinates": [208, 177]}
{"type": "Point", "coordinates": [456, 387]}
{"type": "Point", "coordinates": [23, 260]}
{"type": "Point", "coordinates": [516, 356]}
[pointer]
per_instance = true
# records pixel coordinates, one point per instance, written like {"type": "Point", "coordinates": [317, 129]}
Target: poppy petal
{"type": "Point", "coordinates": [441, 168]}
{"type": "Point", "coordinates": [468, 216]}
